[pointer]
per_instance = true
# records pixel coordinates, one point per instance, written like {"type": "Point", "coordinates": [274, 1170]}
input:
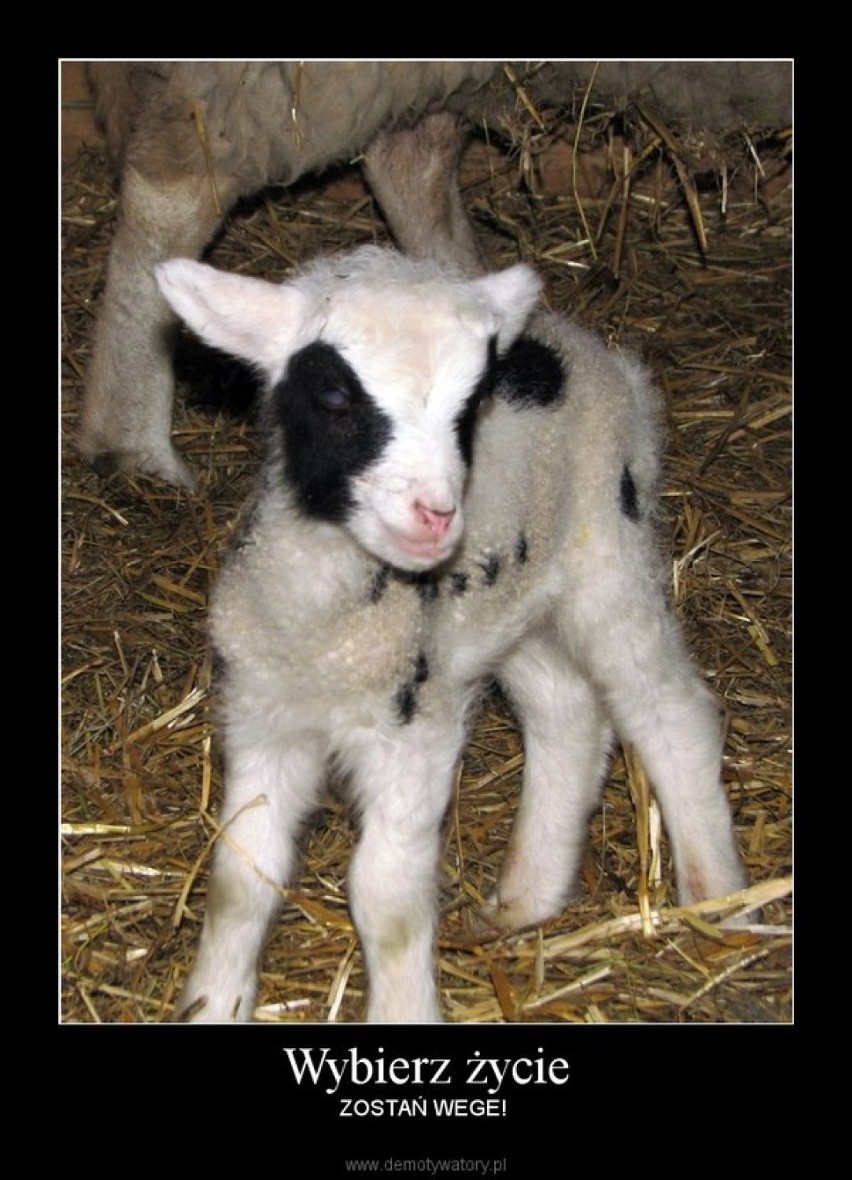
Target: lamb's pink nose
{"type": "Point", "coordinates": [436, 522]}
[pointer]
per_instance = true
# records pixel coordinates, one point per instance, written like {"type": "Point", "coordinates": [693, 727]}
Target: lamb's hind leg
{"type": "Point", "coordinates": [566, 740]}
{"type": "Point", "coordinates": [127, 411]}
{"type": "Point", "coordinates": [413, 172]}
{"type": "Point", "coordinates": [662, 708]}
{"type": "Point", "coordinates": [636, 655]}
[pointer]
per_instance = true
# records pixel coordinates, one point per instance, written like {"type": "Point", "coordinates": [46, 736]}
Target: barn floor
{"type": "Point", "coordinates": [616, 240]}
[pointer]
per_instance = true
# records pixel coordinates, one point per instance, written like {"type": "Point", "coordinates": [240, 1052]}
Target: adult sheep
{"type": "Point", "coordinates": [458, 484]}
{"type": "Point", "coordinates": [191, 139]}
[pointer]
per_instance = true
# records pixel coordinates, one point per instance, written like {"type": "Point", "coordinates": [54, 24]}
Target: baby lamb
{"type": "Point", "coordinates": [458, 485]}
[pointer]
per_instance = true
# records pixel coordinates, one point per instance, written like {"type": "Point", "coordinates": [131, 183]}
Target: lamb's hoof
{"type": "Point", "coordinates": [504, 918]}
{"type": "Point", "coordinates": [476, 935]}
{"type": "Point", "coordinates": [187, 1013]}
{"type": "Point", "coordinates": [523, 913]}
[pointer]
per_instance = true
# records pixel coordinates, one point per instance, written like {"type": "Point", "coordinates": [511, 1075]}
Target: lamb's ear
{"type": "Point", "coordinates": [252, 319]}
{"type": "Point", "coordinates": [511, 295]}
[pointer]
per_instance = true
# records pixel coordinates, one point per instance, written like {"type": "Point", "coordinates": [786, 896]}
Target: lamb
{"type": "Point", "coordinates": [459, 484]}
{"type": "Point", "coordinates": [192, 138]}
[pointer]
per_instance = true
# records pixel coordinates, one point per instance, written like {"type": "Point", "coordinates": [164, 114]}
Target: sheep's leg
{"type": "Point", "coordinates": [127, 411]}
{"type": "Point", "coordinates": [566, 741]}
{"type": "Point", "coordinates": [269, 794]}
{"type": "Point", "coordinates": [660, 705]}
{"type": "Point", "coordinates": [413, 172]}
{"type": "Point", "coordinates": [404, 784]}
{"type": "Point", "coordinates": [634, 652]}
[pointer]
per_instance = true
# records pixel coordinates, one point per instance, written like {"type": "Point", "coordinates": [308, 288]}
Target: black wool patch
{"type": "Point", "coordinates": [629, 495]}
{"type": "Point", "coordinates": [522, 550]}
{"type": "Point", "coordinates": [405, 700]}
{"type": "Point", "coordinates": [530, 375]}
{"type": "Point", "coordinates": [427, 585]}
{"type": "Point", "coordinates": [379, 583]}
{"type": "Point", "coordinates": [491, 569]}
{"type": "Point", "coordinates": [332, 430]}
{"type": "Point", "coordinates": [421, 669]}
{"type": "Point", "coordinates": [458, 583]}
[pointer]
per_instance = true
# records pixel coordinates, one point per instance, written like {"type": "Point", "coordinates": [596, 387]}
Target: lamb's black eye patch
{"type": "Point", "coordinates": [331, 429]}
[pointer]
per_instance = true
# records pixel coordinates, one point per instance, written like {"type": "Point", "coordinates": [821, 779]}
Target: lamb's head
{"type": "Point", "coordinates": [375, 367]}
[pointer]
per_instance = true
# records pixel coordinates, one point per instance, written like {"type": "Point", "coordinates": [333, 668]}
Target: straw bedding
{"type": "Point", "coordinates": [688, 262]}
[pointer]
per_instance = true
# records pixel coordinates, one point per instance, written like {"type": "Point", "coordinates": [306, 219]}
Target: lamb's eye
{"type": "Point", "coordinates": [334, 399]}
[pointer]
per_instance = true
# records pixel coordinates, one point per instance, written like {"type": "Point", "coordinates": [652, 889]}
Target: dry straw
{"type": "Point", "coordinates": [686, 263]}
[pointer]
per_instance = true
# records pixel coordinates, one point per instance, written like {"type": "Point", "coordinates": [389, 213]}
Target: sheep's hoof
{"type": "Point", "coordinates": [166, 465]}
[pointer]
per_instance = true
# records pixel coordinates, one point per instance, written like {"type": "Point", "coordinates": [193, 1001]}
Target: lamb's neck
{"type": "Point", "coordinates": [326, 561]}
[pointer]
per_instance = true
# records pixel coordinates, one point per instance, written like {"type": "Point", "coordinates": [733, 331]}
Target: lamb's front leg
{"type": "Point", "coordinates": [269, 792]}
{"type": "Point", "coordinates": [403, 782]}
